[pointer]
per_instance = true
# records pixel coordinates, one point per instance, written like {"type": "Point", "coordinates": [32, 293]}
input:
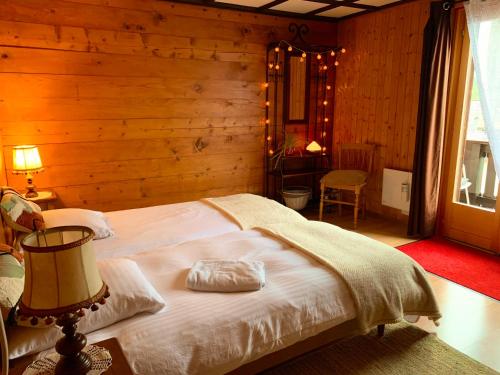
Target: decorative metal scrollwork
{"type": "Point", "coordinates": [299, 32]}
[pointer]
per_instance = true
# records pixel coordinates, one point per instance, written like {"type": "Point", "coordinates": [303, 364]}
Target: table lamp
{"type": "Point", "coordinates": [313, 147]}
{"type": "Point", "coordinates": [26, 160]}
{"type": "Point", "coordinates": [61, 280]}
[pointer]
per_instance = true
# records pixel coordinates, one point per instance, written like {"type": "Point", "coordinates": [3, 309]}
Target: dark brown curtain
{"type": "Point", "coordinates": [431, 121]}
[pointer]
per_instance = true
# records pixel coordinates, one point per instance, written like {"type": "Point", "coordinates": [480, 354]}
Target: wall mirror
{"type": "Point", "coordinates": [296, 88]}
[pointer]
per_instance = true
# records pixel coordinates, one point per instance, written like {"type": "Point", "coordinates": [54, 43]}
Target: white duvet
{"type": "Point", "coordinates": [212, 333]}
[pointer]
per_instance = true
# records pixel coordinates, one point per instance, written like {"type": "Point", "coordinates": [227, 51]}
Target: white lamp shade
{"type": "Point", "coordinates": [313, 147]}
{"type": "Point", "coordinates": [61, 272]}
{"type": "Point", "coordinates": [26, 159]}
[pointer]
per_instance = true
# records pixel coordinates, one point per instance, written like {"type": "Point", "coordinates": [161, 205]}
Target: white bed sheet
{"type": "Point", "coordinates": [147, 228]}
{"type": "Point", "coordinates": [213, 333]}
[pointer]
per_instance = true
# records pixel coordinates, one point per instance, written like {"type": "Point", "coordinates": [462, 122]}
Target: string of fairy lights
{"type": "Point", "coordinates": [325, 60]}
{"type": "Point", "coordinates": [333, 52]}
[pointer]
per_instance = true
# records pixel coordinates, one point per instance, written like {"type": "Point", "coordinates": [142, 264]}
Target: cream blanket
{"type": "Point", "coordinates": [385, 284]}
{"type": "Point", "coordinates": [250, 210]}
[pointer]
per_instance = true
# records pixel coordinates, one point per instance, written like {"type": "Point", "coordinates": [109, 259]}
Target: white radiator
{"type": "Point", "coordinates": [396, 189]}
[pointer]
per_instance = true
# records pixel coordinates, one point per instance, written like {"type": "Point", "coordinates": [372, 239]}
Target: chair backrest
{"type": "Point", "coordinates": [356, 156]}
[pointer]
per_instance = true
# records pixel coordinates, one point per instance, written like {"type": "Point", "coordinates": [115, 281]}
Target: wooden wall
{"type": "Point", "coordinates": [3, 175]}
{"type": "Point", "coordinates": [377, 88]}
{"type": "Point", "coordinates": [117, 93]}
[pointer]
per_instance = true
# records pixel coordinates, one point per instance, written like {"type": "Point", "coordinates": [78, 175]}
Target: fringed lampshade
{"type": "Point", "coordinates": [62, 279]}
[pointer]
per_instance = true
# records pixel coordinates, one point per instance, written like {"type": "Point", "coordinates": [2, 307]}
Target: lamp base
{"type": "Point", "coordinates": [30, 188]}
{"type": "Point", "coordinates": [101, 362]}
{"type": "Point", "coordinates": [73, 361]}
{"type": "Point", "coordinates": [80, 364]}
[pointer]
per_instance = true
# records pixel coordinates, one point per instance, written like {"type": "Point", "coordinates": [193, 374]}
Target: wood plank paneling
{"type": "Point", "coordinates": [61, 86]}
{"type": "Point", "coordinates": [116, 94]}
{"type": "Point", "coordinates": [3, 175]}
{"type": "Point", "coordinates": [377, 88]}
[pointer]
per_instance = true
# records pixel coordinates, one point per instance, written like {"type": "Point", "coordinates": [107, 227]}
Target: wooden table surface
{"type": "Point", "coordinates": [119, 366]}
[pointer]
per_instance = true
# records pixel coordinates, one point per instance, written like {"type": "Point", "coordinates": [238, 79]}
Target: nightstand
{"type": "Point", "coordinates": [120, 365]}
{"type": "Point", "coordinates": [45, 199]}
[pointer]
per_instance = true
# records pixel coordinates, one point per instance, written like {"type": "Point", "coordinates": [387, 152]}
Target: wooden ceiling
{"type": "Point", "coordinates": [326, 10]}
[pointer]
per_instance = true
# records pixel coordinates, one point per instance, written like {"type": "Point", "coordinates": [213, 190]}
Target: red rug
{"type": "Point", "coordinates": [461, 264]}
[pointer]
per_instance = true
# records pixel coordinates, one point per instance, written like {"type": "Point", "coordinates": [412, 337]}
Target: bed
{"type": "Point", "coordinates": [304, 305]}
{"type": "Point", "coordinates": [150, 227]}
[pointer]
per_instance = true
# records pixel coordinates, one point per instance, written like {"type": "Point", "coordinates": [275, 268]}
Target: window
{"type": "Point", "coordinates": [478, 182]}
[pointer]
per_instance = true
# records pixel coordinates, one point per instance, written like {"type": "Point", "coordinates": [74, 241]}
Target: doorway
{"type": "Point", "coordinates": [470, 211]}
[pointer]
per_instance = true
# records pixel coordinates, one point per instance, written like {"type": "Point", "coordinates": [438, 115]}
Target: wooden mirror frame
{"type": "Point", "coordinates": [286, 90]}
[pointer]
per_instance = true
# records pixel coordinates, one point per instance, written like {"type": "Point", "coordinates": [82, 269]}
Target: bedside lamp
{"type": "Point", "coordinates": [313, 147]}
{"type": "Point", "coordinates": [61, 280]}
{"type": "Point", "coordinates": [26, 160]}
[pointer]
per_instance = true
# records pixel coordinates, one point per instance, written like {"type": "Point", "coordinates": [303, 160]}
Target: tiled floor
{"type": "Point", "coordinates": [471, 321]}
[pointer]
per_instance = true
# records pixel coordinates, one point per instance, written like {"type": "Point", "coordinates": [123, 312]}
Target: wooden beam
{"type": "Point", "coordinates": [273, 4]}
{"type": "Point", "coordinates": [351, 3]}
{"type": "Point", "coordinates": [336, 4]}
{"type": "Point", "coordinates": [265, 9]}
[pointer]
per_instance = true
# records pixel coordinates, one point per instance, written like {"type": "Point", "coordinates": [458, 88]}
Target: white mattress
{"type": "Point", "coordinates": [143, 229]}
{"type": "Point", "coordinates": [212, 333]}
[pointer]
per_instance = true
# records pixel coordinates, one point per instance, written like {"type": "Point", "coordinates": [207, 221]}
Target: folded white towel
{"type": "Point", "coordinates": [226, 276]}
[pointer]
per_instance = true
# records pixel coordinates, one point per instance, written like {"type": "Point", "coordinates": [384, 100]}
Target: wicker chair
{"type": "Point", "coordinates": [355, 165]}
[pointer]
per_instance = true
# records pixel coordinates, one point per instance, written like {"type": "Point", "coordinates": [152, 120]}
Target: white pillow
{"type": "Point", "coordinates": [130, 294]}
{"type": "Point", "coordinates": [94, 220]}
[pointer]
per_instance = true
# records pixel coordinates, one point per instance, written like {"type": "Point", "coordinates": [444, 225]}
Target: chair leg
{"type": "Point", "coordinates": [340, 204]}
{"type": "Point", "coordinates": [356, 209]}
{"type": "Point", "coordinates": [380, 330]}
{"type": "Point", "coordinates": [321, 203]}
{"type": "Point", "coordinates": [363, 204]}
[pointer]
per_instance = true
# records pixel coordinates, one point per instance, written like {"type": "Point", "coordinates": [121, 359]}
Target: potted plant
{"type": "Point", "coordinates": [287, 148]}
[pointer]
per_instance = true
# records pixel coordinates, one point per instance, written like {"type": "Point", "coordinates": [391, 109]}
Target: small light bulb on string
{"type": "Point", "coordinates": [328, 87]}
{"type": "Point", "coordinates": [271, 65]}
{"type": "Point", "coordinates": [304, 55]}
{"type": "Point", "coordinates": [266, 85]}
{"type": "Point", "coordinates": [326, 119]}
{"type": "Point", "coordinates": [325, 67]}
{"type": "Point", "coordinates": [318, 56]}
{"type": "Point", "coordinates": [343, 50]}
{"type": "Point", "coordinates": [336, 63]}
{"type": "Point", "coordinates": [277, 49]}
{"type": "Point", "coordinates": [325, 102]}
{"type": "Point", "coordinates": [267, 103]}
{"type": "Point", "coordinates": [271, 152]}
{"type": "Point", "coordinates": [324, 149]}
{"type": "Point", "coordinates": [277, 67]}
{"type": "Point", "coordinates": [332, 53]}
{"type": "Point", "coordinates": [268, 138]}
{"type": "Point", "coordinates": [290, 48]}
{"type": "Point", "coordinates": [267, 121]}
{"type": "Point", "coordinates": [324, 134]}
